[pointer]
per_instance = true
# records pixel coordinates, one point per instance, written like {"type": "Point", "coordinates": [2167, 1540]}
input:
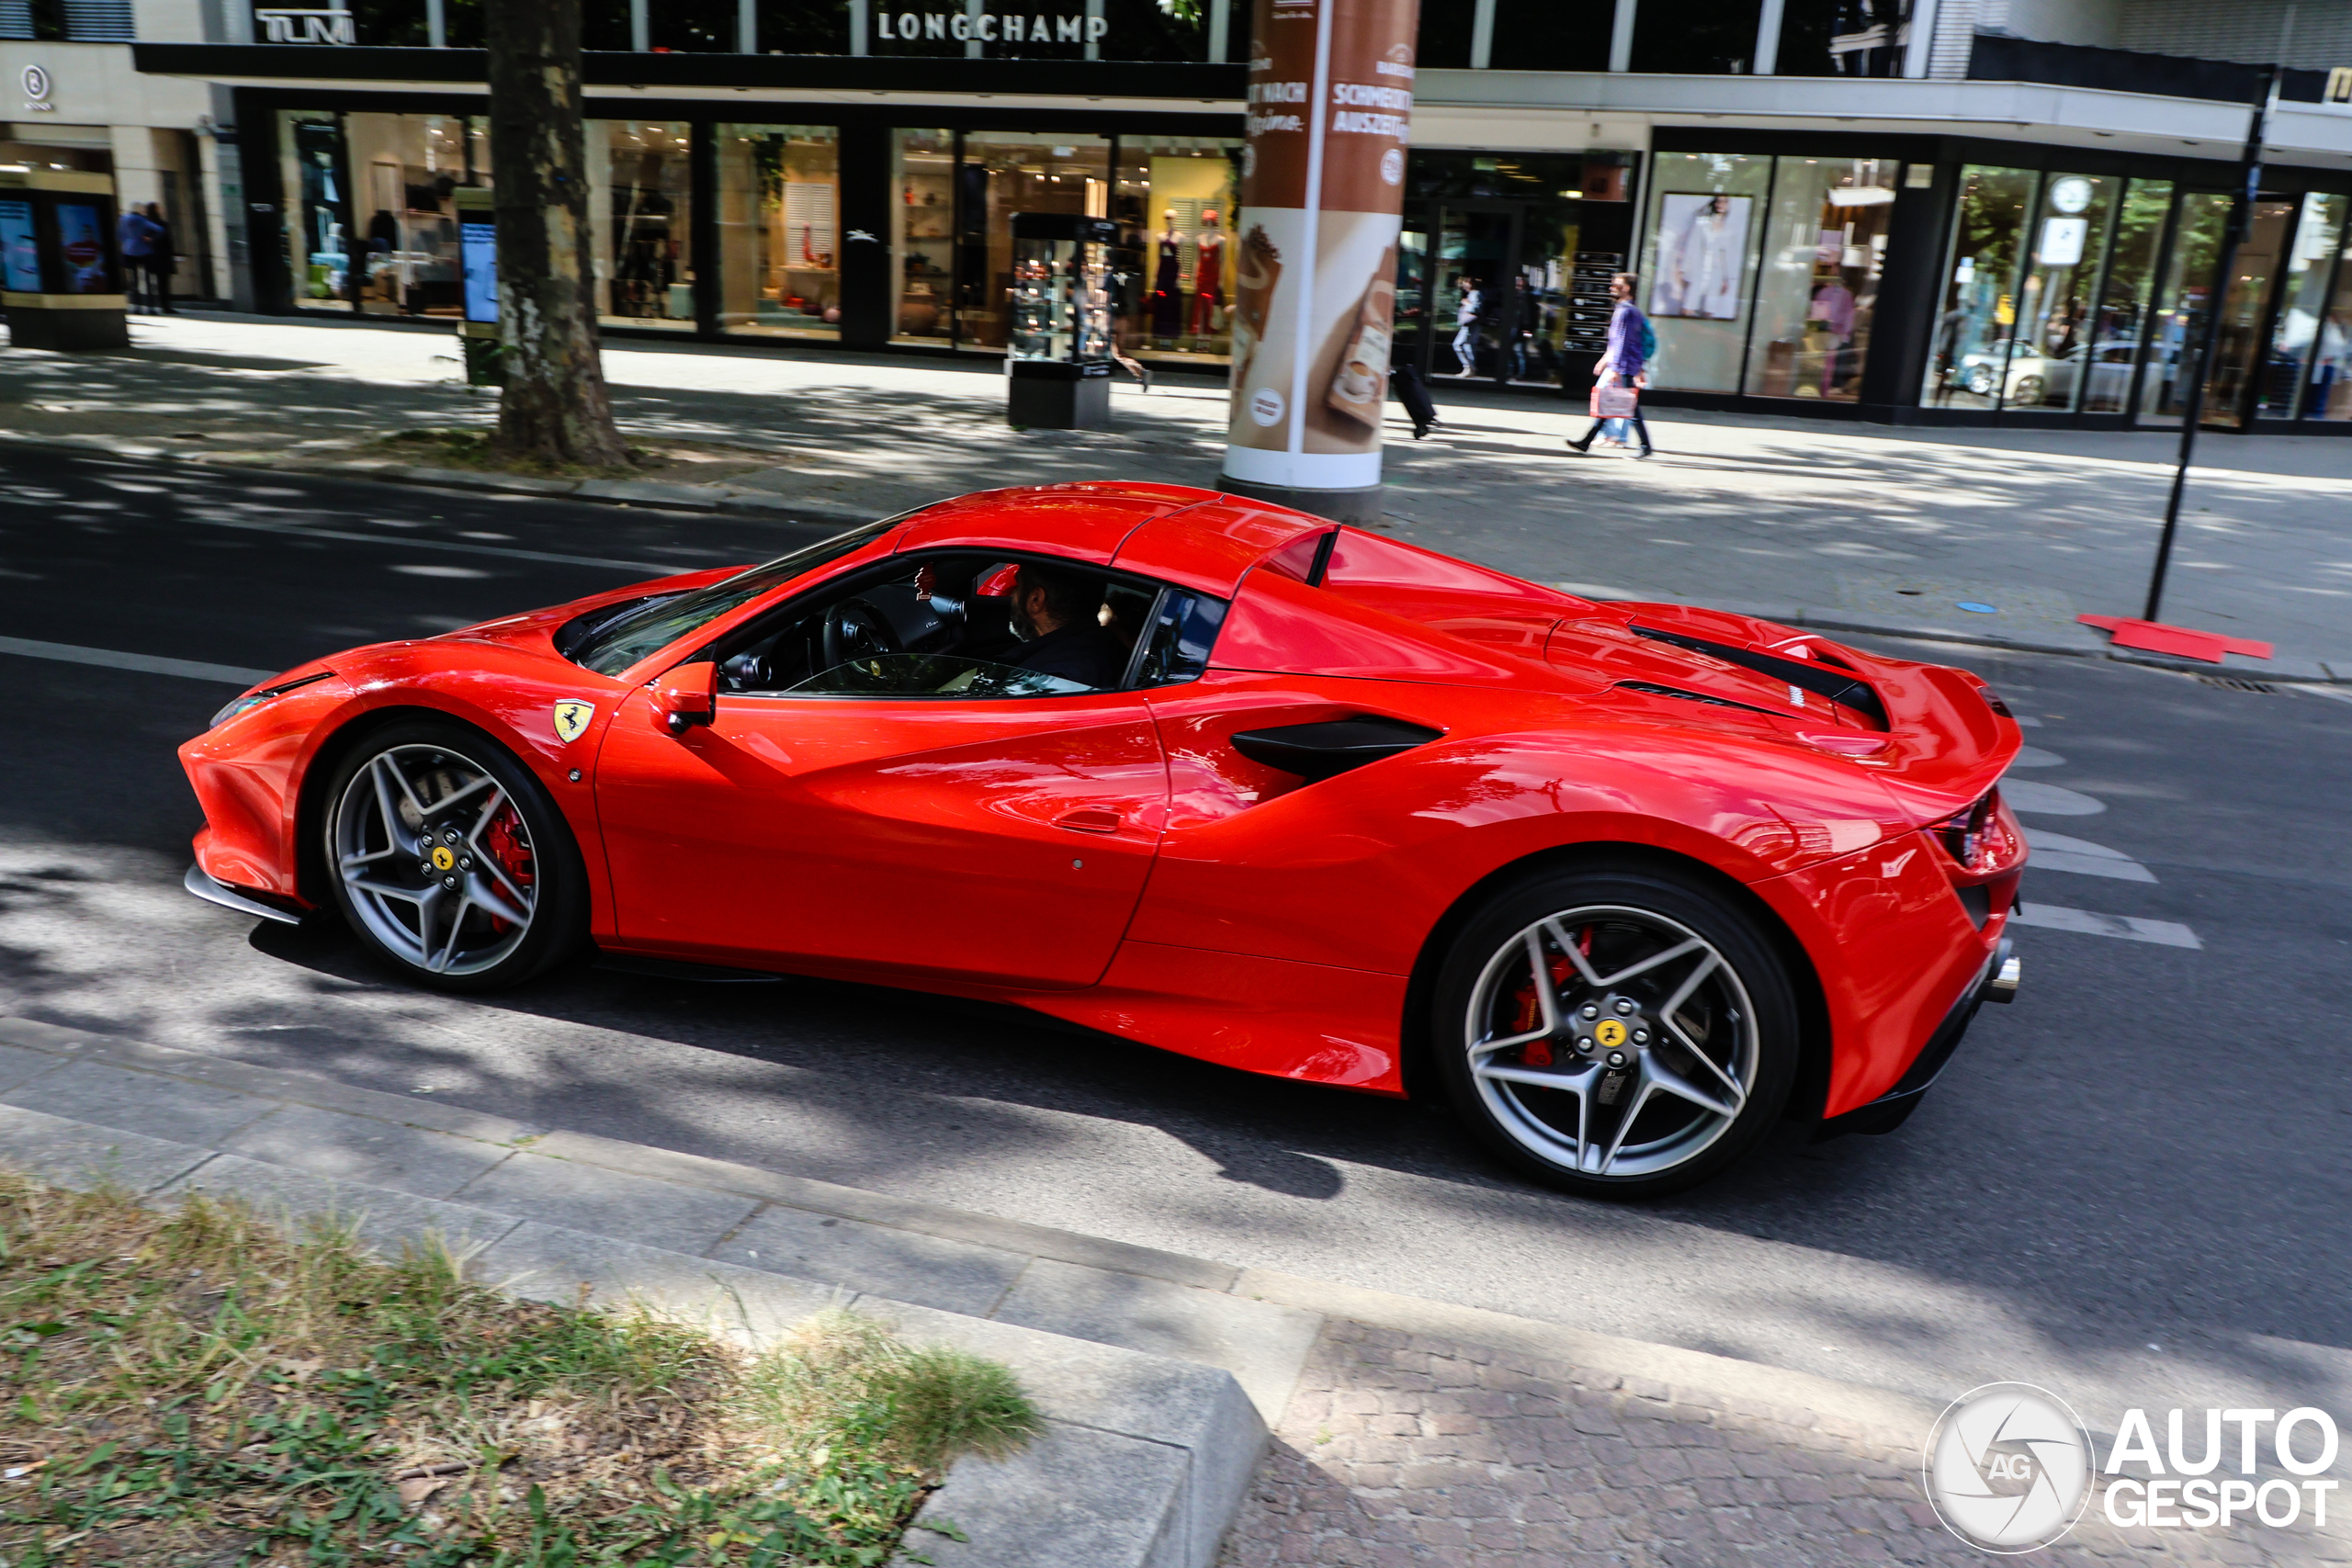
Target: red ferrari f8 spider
{"type": "Point", "coordinates": [1625, 883]}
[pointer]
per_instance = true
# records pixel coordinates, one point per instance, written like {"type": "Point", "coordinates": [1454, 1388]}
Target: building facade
{"type": "Point", "coordinates": [1919, 210]}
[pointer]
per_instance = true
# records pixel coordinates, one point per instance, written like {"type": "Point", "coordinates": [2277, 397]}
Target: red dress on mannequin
{"type": "Point", "coordinates": [1208, 281]}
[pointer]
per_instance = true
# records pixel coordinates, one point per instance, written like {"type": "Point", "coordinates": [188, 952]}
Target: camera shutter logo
{"type": "Point", "coordinates": [36, 85]}
{"type": "Point", "coordinates": [2007, 1468]}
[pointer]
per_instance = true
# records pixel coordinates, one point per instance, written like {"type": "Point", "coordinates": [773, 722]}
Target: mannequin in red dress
{"type": "Point", "coordinates": [1208, 275]}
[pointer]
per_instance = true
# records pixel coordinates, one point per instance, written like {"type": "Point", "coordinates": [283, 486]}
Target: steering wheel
{"type": "Point", "coordinates": [856, 630]}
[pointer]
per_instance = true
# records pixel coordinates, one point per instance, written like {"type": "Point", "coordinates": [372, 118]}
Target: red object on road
{"type": "Point", "coordinates": [2187, 642]}
{"type": "Point", "coordinates": [1621, 881]}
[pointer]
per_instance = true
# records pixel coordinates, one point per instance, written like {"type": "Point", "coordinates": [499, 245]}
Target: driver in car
{"type": "Point", "coordinates": [1057, 616]}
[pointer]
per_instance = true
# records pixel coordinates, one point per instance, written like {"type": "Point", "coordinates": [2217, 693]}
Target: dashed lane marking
{"type": "Point", "coordinates": [2057, 851]}
{"type": "Point", "coordinates": [2084, 922]}
{"type": "Point", "coordinates": [2049, 800]}
{"type": "Point", "coordinates": [141, 663]}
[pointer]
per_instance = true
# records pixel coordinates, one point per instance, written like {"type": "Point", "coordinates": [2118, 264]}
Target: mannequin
{"type": "Point", "coordinates": [1208, 275]}
{"type": "Point", "coordinates": [1167, 282]}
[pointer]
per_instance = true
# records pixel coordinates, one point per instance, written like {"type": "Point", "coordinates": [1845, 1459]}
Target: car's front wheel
{"type": "Point", "coordinates": [448, 860]}
{"type": "Point", "coordinates": [1619, 1033]}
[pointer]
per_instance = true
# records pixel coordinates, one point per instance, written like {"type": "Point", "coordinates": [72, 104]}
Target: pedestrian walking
{"type": "Point", "coordinates": [162, 261]}
{"type": "Point", "coordinates": [1466, 323]}
{"type": "Point", "coordinates": [1621, 362]}
{"type": "Point", "coordinates": [134, 234]}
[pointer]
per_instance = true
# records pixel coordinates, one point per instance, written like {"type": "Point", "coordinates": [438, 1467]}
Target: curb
{"type": "Point", "coordinates": [1162, 1281]}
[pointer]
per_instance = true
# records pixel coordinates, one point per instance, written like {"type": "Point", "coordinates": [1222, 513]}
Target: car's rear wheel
{"type": "Point", "coordinates": [1620, 1033]}
{"type": "Point", "coordinates": [449, 860]}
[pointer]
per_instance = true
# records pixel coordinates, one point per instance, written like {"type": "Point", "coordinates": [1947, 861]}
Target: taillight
{"type": "Point", "coordinates": [1993, 700]}
{"type": "Point", "coordinates": [1962, 833]}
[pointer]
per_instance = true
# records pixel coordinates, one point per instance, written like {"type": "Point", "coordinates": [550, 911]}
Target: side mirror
{"type": "Point", "coordinates": [687, 696]}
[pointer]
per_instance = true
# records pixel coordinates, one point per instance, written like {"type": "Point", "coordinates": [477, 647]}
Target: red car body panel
{"type": "Point", "coordinates": [1111, 859]}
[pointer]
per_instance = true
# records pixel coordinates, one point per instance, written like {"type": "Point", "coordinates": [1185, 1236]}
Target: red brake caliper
{"type": "Point", "coordinates": [510, 846]}
{"type": "Point", "coordinates": [1538, 1052]}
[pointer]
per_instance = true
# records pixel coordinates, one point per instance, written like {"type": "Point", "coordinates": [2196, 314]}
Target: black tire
{"type": "Point", "coordinates": [1739, 1014]}
{"type": "Point", "coordinates": [492, 866]}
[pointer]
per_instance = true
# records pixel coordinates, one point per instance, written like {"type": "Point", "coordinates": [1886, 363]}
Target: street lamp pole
{"type": "Point", "coordinates": [2233, 236]}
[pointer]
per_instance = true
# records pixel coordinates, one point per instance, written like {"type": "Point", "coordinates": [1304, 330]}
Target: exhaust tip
{"type": "Point", "coordinates": [2002, 986]}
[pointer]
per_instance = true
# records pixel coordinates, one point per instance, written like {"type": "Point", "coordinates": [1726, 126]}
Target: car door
{"type": "Point", "coordinates": [1003, 839]}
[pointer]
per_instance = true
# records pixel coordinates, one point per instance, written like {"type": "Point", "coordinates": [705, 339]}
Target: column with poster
{"type": "Point", "coordinates": [477, 271]}
{"type": "Point", "coordinates": [1315, 251]}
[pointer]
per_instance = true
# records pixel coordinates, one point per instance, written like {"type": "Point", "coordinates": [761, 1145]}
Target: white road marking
{"type": "Point", "coordinates": [2131, 928]}
{"type": "Point", "coordinates": [2028, 721]}
{"type": "Point", "coordinates": [405, 542]}
{"type": "Point", "coordinates": [2035, 757]}
{"type": "Point", "coordinates": [2049, 800]}
{"type": "Point", "coordinates": [2341, 693]}
{"type": "Point", "coordinates": [142, 663]}
{"type": "Point", "coordinates": [2056, 851]}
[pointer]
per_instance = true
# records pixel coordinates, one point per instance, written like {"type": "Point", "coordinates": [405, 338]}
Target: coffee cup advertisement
{"type": "Point", "coordinates": [1331, 98]}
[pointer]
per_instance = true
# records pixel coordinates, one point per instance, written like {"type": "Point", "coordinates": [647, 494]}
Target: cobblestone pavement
{"type": "Point", "coordinates": [1401, 1450]}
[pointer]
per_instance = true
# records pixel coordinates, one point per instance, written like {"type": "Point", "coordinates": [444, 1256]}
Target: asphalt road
{"type": "Point", "coordinates": [2130, 1186]}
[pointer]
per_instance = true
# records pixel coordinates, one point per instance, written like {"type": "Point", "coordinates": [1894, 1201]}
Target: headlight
{"type": "Point", "coordinates": [253, 700]}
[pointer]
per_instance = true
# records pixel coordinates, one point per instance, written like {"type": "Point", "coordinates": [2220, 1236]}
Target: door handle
{"type": "Point", "coordinates": [1088, 820]}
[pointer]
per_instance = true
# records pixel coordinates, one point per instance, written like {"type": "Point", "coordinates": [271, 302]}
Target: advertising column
{"type": "Point", "coordinates": [1314, 255]}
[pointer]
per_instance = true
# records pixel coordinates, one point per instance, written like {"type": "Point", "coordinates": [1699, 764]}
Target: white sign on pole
{"type": "Point", "coordinates": [2062, 241]}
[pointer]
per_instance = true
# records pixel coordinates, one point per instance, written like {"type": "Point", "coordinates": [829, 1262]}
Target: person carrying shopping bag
{"type": "Point", "coordinates": [1616, 389]}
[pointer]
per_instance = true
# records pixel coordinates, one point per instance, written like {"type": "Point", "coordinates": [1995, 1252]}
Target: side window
{"type": "Point", "coordinates": [1183, 631]}
{"type": "Point", "coordinates": [949, 624]}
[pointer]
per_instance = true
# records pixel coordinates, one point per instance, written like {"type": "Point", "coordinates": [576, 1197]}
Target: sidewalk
{"type": "Point", "coordinates": [1841, 526]}
{"type": "Point", "coordinates": [1407, 1431]}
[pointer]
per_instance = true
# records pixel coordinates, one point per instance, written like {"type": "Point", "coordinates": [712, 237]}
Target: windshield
{"type": "Point", "coordinates": [657, 623]}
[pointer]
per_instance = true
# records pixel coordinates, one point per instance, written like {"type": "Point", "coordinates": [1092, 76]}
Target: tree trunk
{"type": "Point", "coordinates": [555, 409]}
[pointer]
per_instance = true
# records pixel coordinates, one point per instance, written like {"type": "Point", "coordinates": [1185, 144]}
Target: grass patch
{"type": "Point", "coordinates": [471, 450]}
{"type": "Point", "coordinates": [200, 1387]}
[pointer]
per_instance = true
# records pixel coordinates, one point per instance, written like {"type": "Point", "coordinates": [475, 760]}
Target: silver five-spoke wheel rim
{"type": "Point", "coordinates": [436, 858]}
{"type": "Point", "coordinates": [1612, 1041]}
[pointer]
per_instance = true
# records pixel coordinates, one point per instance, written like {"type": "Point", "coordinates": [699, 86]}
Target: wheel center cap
{"type": "Point", "coordinates": [443, 857]}
{"type": "Point", "coordinates": [1611, 1033]}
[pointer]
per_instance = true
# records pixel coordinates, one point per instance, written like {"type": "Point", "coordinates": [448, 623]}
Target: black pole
{"type": "Point", "coordinates": [2233, 236]}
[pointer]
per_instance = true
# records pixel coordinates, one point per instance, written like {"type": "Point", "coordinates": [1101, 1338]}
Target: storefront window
{"type": "Point", "coordinates": [1711, 36]}
{"type": "Point", "coordinates": [406, 168]}
{"type": "Point", "coordinates": [1825, 249]}
{"type": "Point", "coordinates": [317, 210]}
{"type": "Point", "coordinates": [922, 234]}
{"type": "Point", "coordinates": [2123, 295]}
{"type": "Point", "coordinates": [2052, 358]}
{"type": "Point", "coordinates": [2177, 333]}
{"type": "Point", "coordinates": [2310, 264]}
{"type": "Point", "coordinates": [779, 234]}
{"type": "Point", "coordinates": [1004, 173]}
{"type": "Point", "coordinates": [2238, 351]}
{"type": "Point", "coordinates": [1698, 265]}
{"type": "Point", "coordinates": [640, 207]}
{"type": "Point", "coordinates": [1980, 304]}
{"type": "Point", "coordinates": [1181, 190]}
{"type": "Point", "coordinates": [1843, 37]}
{"type": "Point", "coordinates": [2331, 390]}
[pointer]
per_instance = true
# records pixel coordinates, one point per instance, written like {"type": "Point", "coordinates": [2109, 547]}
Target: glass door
{"type": "Point", "coordinates": [2296, 335]}
{"type": "Point", "coordinates": [1003, 173]}
{"type": "Point", "coordinates": [1474, 266]}
{"type": "Point", "coordinates": [2245, 310]}
{"type": "Point", "coordinates": [2177, 332]}
{"type": "Point", "coordinates": [1412, 329]}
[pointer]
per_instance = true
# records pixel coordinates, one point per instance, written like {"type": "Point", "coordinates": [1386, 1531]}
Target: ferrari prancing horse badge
{"type": "Point", "coordinates": [572, 718]}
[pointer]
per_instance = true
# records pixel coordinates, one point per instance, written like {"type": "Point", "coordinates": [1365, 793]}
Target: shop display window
{"type": "Point", "coordinates": [1699, 265]}
{"type": "Point", "coordinates": [922, 235]}
{"type": "Point", "coordinates": [1979, 314]}
{"type": "Point", "coordinates": [2288, 383]}
{"type": "Point", "coordinates": [2330, 397]}
{"type": "Point", "coordinates": [2239, 349]}
{"type": "Point", "coordinates": [641, 213]}
{"type": "Point", "coordinates": [317, 210]}
{"type": "Point", "coordinates": [2123, 295]}
{"type": "Point", "coordinates": [2177, 334]}
{"type": "Point", "coordinates": [779, 231]}
{"type": "Point", "coordinates": [1174, 205]}
{"type": "Point", "coordinates": [405, 170]}
{"type": "Point", "coordinates": [2056, 359]}
{"type": "Point", "coordinates": [1825, 250]}
{"type": "Point", "coordinates": [1003, 173]}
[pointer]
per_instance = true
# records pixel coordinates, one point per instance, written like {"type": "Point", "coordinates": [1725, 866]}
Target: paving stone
{"type": "Point", "coordinates": [17, 1065]}
{"type": "Point", "coordinates": [140, 1102]}
{"type": "Point", "coordinates": [73, 1153]}
{"type": "Point", "coordinates": [383, 1219]}
{"type": "Point", "coordinates": [361, 1148]}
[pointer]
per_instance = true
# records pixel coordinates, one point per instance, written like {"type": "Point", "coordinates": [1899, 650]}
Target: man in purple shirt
{"type": "Point", "coordinates": [1621, 363]}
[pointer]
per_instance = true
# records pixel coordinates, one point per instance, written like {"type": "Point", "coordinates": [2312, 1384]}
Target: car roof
{"type": "Point", "coordinates": [1195, 538]}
